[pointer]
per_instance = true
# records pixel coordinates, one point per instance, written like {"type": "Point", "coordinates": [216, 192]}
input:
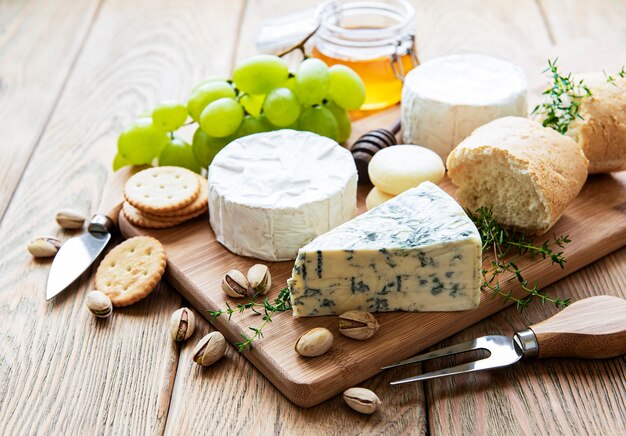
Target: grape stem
{"type": "Point", "coordinates": [300, 45]}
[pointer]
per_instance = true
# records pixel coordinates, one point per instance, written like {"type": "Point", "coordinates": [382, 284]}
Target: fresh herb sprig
{"type": "Point", "coordinates": [266, 309]}
{"type": "Point", "coordinates": [611, 79]}
{"type": "Point", "coordinates": [562, 100]}
{"type": "Point", "coordinates": [506, 248]}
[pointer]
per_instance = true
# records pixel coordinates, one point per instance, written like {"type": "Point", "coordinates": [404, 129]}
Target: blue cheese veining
{"type": "Point", "coordinates": [417, 252]}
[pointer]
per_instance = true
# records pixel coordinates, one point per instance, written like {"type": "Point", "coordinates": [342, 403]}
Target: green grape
{"type": "Point", "coordinates": [214, 78]}
{"type": "Point", "coordinates": [312, 81]}
{"type": "Point", "coordinates": [206, 94]}
{"type": "Point", "coordinates": [251, 125]}
{"type": "Point", "coordinates": [343, 120]}
{"type": "Point", "coordinates": [290, 84]}
{"type": "Point", "coordinates": [259, 74]}
{"type": "Point", "coordinates": [141, 142]}
{"type": "Point", "coordinates": [320, 120]}
{"type": "Point", "coordinates": [221, 117]}
{"type": "Point", "coordinates": [345, 87]}
{"type": "Point", "coordinates": [119, 162]}
{"type": "Point", "coordinates": [281, 107]}
{"type": "Point", "coordinates": [252, 103]}
{"type": "Point", "coordinates": [178, 153]}
{"type": "Point", "coordinates": [205, 147]}
{"type": "Point", "coordinates": [169, 116]}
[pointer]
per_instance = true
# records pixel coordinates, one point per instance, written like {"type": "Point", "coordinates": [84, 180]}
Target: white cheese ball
{"type": "Point", "coordinates": [376, 197]}
{"type": "Point", "coordinates": [398, 168]}
{"type": "Point", "coordinates": [446, 98]}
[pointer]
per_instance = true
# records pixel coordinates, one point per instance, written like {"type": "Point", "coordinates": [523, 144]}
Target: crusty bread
{"type": "Point", "coordinates": [602, 130]}
{"type": "Point", "coordinates": [525, 172]}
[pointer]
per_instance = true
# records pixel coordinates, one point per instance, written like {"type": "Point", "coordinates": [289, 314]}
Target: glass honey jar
{"type": "Point", "coordinates": [374, 38]}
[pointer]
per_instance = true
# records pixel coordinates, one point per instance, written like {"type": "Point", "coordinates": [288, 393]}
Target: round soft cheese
{"type": "Point", "coordinates": [376, 197]}
{"type": "Point", "coordinates": [271, 193]}
{"type": "Point", "coordinates": [395, 169]}
{"type": "Point", "coordinates": [446, 98]}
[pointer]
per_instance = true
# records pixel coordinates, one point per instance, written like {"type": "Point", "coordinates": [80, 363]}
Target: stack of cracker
{"type": "Point", "coordinates": [163, 197]}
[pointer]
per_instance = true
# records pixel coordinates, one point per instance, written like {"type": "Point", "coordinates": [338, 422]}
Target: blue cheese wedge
{"type": "Point", "coordinates": [416, 252]}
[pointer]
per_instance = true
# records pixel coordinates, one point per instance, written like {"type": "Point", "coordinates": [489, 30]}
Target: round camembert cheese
{"type": "Point", "coordinates": [271, 193]}
{"type": "Point", "coordinates": [445, 99]}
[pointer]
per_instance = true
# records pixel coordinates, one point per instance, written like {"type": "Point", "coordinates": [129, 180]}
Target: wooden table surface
{"type": "Point", "coordinates": [73, 73]}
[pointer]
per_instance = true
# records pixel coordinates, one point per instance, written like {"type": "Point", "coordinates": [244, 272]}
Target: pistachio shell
{"type": "Point", "coordinates": [210, 349]}
{"type": "Point", "coordinates": [362, 400]}
{"type": "Point", "coordinates": [358, 324]}
{"type": "Point", "coordinates": [70, 219]}
{"type": "Point", "coordinates": [259, 279]}
{"type": "Point", "coordinates": [314, 342]}
{"type": "Point", "coordinates": [44, 246]}
{"type": "Point", "coordinates": [235, 284]}
{"type": "Point", "coordinates": [99, 303]}
{"type": "Point", "coordinates": [182, 324]}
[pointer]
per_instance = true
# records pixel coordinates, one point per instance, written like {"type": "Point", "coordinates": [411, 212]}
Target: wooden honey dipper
{"type": "Point", "coordinates": [368, 145]}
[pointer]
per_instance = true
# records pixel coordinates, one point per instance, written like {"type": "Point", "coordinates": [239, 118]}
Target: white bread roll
{"type": "Point", "coordinates": [525, 172]}
{"type": "Point", "coordinates": [601, 132]}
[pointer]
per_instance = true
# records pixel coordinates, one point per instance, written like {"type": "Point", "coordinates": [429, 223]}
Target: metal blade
{"type": "Point", "coordinates": [503, 352]}
{"type": "Point", "coordinates": [74, 257]}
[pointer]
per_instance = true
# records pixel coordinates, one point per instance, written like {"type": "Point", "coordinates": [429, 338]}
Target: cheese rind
{"type": "Point", "coordinates": [271, 193]}
{"type": "Point", "coordinates": [446, 98]}
{"type": "Point", "coordinates": [416, 252]}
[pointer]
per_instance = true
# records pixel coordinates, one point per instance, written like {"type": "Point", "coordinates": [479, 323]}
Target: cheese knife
{"type": "Point", "coordinates": [78, 253]}
{"type": "Point", "coordinates": [592, 328]}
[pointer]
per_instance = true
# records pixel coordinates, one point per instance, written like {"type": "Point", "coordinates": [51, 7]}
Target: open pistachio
{"type": "Point", "coordinates": [259, 279]}
{"type": "Point", "coordinates": [314, 342]}
{"type": "Point", "coordinates": [44, 246]}
{"type": "Point", "coordinates": [362, 400]}
{"type": "Point", "coordinates": [70, 219]}
{"type": "Point", "coordinates": [210, 349]}
{"type": "Point", "coordinates": [182, 324]}
{"type": "Point", "coordinates": [235, 284]}
{"type": "Point", "coordinates": [358, 324]}
{"type": "Point", "coordinates": [99, 303]}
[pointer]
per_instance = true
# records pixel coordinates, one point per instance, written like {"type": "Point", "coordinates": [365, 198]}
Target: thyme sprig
{"type": "Point", "coordinates": [266, 309]}
{"type": "Point", "coordinates": [562, 100]}
{"type": "Point", "coordinates": [611, 79]}
{"type": "Point", "coordinates": [506, 248]}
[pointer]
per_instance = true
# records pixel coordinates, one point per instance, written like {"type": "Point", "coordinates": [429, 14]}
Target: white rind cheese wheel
{"type": "Point", "coordinates": [271, 193]}
{"type": "Point", "coordinates": [398, 168]}
{"type": "Point", "coordinates": [445, 99]}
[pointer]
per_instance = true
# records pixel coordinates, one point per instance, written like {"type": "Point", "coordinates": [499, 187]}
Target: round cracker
{"type": "Point", "coordinates": [162, 189]}
{"type": "Point", "coordinates": [193, 208]}
{"type": "Point", "coordinates": [137, 218]}
{"type": "Point", "coordinates": [130, 271]}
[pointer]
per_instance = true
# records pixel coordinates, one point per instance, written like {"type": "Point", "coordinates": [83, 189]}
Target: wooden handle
{"type": "Point", "coordinates": [113, 193]}
{"type": "Point", "coordinates": [592, 328]}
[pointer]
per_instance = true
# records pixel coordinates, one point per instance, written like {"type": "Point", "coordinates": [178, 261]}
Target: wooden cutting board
{"type": "Point", "coordinates": [595, 222]}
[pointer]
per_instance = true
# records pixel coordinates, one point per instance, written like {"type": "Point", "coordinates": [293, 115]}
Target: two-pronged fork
{"type": "Point", "coordinates": [592, 328]}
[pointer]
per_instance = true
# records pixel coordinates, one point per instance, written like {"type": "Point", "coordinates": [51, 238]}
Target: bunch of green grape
{"type": "Point", "coordinates": [261, 96]}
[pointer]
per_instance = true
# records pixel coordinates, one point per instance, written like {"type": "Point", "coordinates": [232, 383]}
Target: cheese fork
{"type": "Point", "coordinates": [592, 328]}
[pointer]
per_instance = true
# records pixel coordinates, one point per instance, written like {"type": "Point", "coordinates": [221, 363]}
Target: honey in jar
{"type": "Point", "coordinates": [375, 39]}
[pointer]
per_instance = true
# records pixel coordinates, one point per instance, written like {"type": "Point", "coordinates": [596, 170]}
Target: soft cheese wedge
{"type": "Point", "coordinates": [416, 252]}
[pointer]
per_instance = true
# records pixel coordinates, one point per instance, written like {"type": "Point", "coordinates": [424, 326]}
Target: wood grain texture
{"type": "Point", "coordinates": [62, 370]}
{"type": "Point", "coordinates": [39, 43]}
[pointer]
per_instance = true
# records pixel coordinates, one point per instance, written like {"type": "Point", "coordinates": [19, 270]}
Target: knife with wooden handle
{"type": "Point", "coordinates": [78, 253]}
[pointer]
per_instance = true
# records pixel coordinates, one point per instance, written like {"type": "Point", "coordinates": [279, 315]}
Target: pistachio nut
{"type": "Point", "coordinates": [358, 324]}
{"type": "Point", "coordinates": [314, 342]}
{"type": "Point", "coordinates": [210, 349]}
{"type": "Point", "coordinates": [182, 324]}
{"type": "Point", "coordinates": [70, 219]}
{"type": "Point", "coordinates": [99, 303]}
{"type": "Point", "coordinates": [362, 400]}
{"type": "Point", "coordinates": [44, 246]}
{"type": "Point", "coordinates": [259, 279]}
{"type": "Point", "coordinates": [235, 284]}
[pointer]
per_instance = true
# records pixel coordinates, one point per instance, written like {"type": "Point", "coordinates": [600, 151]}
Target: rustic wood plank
{"type": "Point", "coordinates": [551, 396]}
{"type": "Point", "coordinates": [39, 42]}
{"type": "Point", "coordinates": [62, 370]}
